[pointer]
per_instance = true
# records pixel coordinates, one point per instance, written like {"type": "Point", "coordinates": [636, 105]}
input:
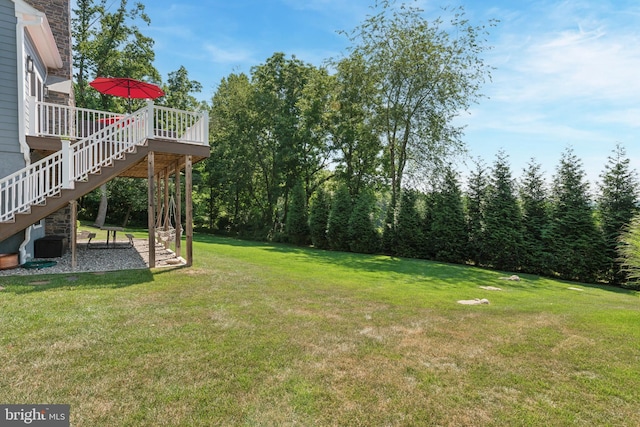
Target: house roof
{"type": "Point", "coordinates": [38, 27]}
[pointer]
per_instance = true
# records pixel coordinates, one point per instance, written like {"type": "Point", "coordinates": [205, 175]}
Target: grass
{"type": "Point", "coordinates": [260, 334]}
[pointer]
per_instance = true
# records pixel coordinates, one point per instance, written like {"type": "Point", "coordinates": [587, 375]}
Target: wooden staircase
{"type": "Point", "coordinates": [118, 147]}
{"type": "Point", "coordinates": [54, 203]}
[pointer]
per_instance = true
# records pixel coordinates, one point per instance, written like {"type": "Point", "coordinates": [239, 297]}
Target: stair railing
{"type": "Point", "coordinates": [47, 177]}
{"type": "Point", "coordinates": [119, 135]}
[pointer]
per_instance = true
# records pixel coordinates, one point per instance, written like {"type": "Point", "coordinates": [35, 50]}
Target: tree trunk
{"type": "Point", "coordinates": [102, 210]}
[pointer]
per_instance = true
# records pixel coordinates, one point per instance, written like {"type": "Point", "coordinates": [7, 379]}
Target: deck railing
{"type": "Point", "coordinates": [111, 140]}
{"type": "Point", "coordinates": [74, 123]}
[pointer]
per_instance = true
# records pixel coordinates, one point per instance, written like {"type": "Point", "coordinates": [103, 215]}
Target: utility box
{"type": "Point", "coordinates": [50, 247]}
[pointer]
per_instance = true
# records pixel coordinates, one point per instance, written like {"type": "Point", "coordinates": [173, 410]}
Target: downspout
{"type": "Point", "coordinates": [22, 136]}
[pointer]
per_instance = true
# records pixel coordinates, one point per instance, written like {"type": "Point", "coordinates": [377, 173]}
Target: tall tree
{"type": "Point", "coordinates": [319, 218]}
{"type": "Point", "coordinates": [363, 236]}
{"type": "Point", "coordinates": [425, 72]}
{"type": "Point", "coordinates": [575, 243]}
{"type": "Point", "coordinates": [109, 44]}
{"type": "Point", "coordinates": [353, 129]}
{"type": "Point", "coordinates": [180, 91]}
{"type": "Point", "coordinates": [503, 225]}
{"type": "Point", "coordinates": [338, 223]}
{"type": "Point", "coordinates": [314, 151]}
{"type": "Point", "coordinates": [290, 143]}
{"type": "Point", "coordinates": [475, 206]}
{"type": "Point", "coordinates": [232, 172]}
{"type": "Point", "coordinates": [448, 226]}
{"type": "Point", "coordinates": [408, 233]}
{"type": "Point", "coordinates": [535, 219]}
{"type": "Point", "coordinates": [297, 223]}
{"type": "Point", "coordinates": [629, 250]}
{"type": "Point", "coordinates": [617, 204]}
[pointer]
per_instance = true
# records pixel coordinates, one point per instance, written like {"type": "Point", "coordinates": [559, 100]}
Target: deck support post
{"type": "Point", "coordinates": [178, 242]}
{"type": "Point", "coordinates": [166, 217]}
{"type": "Point", "coordinates": [74, 233]}
{"type": "Point", "coordinates": [188, 207]}
{"type": "Point", "coordinates": [151, 208]}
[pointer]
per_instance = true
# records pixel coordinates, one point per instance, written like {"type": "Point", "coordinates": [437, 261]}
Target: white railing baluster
{"type": "Point", "coordinates": [102, 138]}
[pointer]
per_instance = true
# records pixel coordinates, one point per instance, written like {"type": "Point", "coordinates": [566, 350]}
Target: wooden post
{"type": "Point", "coordinates": [188, 188]}
{"type": "Point", "coordinates": [158, 198]}
{"type": "Point", "coordinates": [178, 210]}
{"type": "Point", "coordinates": [166, 218]}
{"type": "Point", "coordinates": [74, 233]}
{"type": "Point", "coordinates": [151, 212]}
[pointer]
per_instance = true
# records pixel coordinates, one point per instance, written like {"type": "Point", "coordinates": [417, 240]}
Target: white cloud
{"type": "Point", "coordinates": [222, 55]}
{"type": "Point", "coordinates": [572, 56]}
{"type": "Point", "coordinates": [629, 117]}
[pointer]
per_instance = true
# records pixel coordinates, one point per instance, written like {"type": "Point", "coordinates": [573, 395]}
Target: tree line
{"type": "Point", "coordinates": [357, 155]}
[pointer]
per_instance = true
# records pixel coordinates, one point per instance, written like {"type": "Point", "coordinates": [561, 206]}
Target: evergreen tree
{"type": "Point", "coordinates": [475, 204]}
{"type": "Point", "coordinates": [427, 250]}
{"type": "Point", "coordinates": [338, 223]}
{"type": "Point", "coordinates": [448, 227]}
{"type": "Point", "coordinates": [389, 239]}
{"type": "Point", "coordinates": [319, 218]}
{"type": "Point", "coordinates": [629, 250]}
{"type": "Point", "coordinates": [363, 237]}
{"type": "Point", "coordinates": [535, 220]}
{"type": "Point", "coordinates": [297, 222]}
{"type": "Point", "coordinates": [576, 244]}
{"type": "Point", "coordinates": [408, 229]}
{"type": "Point", "coordinates": [503, 225]}
{"type": "Point", "coordinates": [618, 203]}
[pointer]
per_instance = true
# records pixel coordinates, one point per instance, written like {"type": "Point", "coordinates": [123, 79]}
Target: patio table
{"type": "Point", "coordinates": [110, 229]}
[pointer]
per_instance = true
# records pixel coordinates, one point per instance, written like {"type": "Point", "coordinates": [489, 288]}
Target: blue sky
{"type": "Point", "coordinates": [567, 72]}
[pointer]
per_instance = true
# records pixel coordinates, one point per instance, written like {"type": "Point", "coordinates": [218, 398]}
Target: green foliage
{"type": "Point", "coordinates": [427, 227]}
{"type": "Point", "coordinates": [535, 220]}
{"type": "Point", "coordinates": [389, 239]}
{"type": "Point", "coordinates": [503, 227]}
{"type": "Point", "coordinates": [128, 198]}
{"type": "Point", "coordinates": [231, 170]}
{"type": "Point", "coordinates": [319, 218]}
{"type": "Point", "coordinates": [338, 223]}
{"type": "Point", "coordinates": [448, 233]}
{"type": "Point", "coordinates": [179, 90]}
{"type": "Point", "coordinates": [353, 130]}
{"type": "Point", "coordinates": [575, 243]}
{"type": "Point", "coordinates": [409, 238]}
{"type": "Point", "coordinates": [363, 236]}
{"type": "Point", "coordinates": [617, 204]}
{"type": "Point", "coordinates": [475, 207]}
{"type": "Point", "coordinates": [268, 132]}
{"type": "Point", "coordinates": [425, 73]}
{"type": "Point", "coordinates": [629, 250]}
{"type": "Point", "coordinates": [109, 44]}
{"type": "Point", "coordinates": [290, 138]}
{"type": "Point", "coordinates": [297, 222]}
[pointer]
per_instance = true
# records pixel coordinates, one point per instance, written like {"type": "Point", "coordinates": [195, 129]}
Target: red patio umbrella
{"type": "Point", "coordinates": [125, 87]}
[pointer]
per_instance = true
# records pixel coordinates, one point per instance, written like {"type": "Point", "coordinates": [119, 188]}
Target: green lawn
{"type": "Point", "coordinates": [259, 334]}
